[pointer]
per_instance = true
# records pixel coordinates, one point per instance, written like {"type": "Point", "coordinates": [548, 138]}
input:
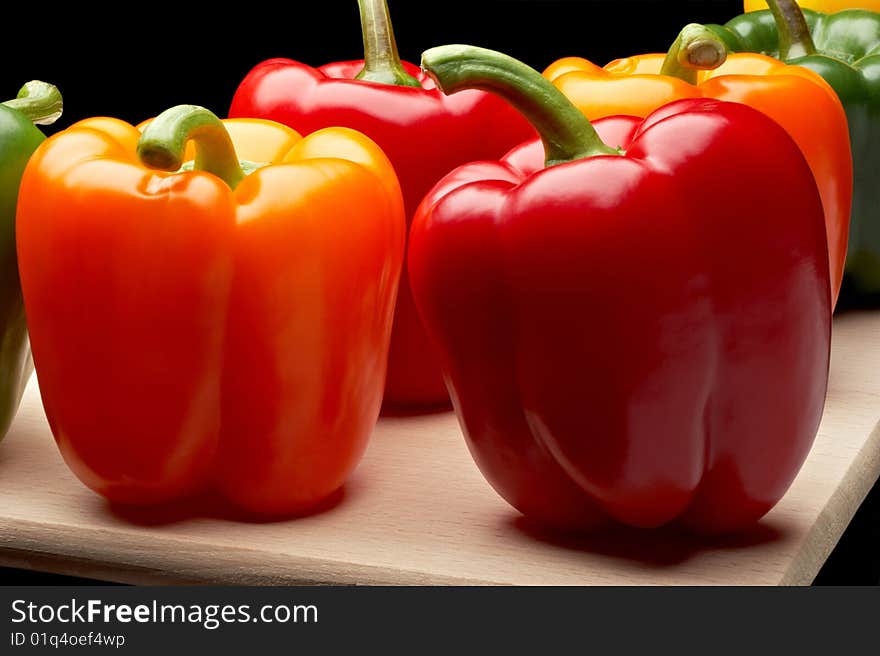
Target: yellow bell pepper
{"type": "Point", "coordinates": [697, 66]}
{"type": "Point", "coordinates": [827, 6]}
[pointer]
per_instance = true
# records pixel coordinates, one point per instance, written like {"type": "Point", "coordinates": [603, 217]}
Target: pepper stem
{"type": "Point", "coordinates": [794, 33]}
{"type": "Point", "coordinates": [381, 60]}
{"type": "Point", "coordinates": [566, 133]}
{"type": "Point", "coordinates": [163, 143]}
{"type": "Point", "coordinates": [697, 48]}
{"type": "Point", "coordinates": [39, 101]}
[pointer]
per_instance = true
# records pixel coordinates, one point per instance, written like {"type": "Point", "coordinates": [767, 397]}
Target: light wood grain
{"type": "Point", "coordinates": [417, 511]}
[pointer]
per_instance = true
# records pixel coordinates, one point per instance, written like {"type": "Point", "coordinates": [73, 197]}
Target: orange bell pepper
{"type": "Point", "coordinates": [827, 6]}
{"type": "Point", "coordinates": [224, 326]}
{"type": "Point", "coordinates": [697, 66]}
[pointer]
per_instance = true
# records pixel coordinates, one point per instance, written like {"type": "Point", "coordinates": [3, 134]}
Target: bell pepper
{"type": "Point", "coordinates": [639, 85]}
{"type": "Point", "coordinates": [845, 50]}
{"type": "Point", "coordinates": [424, 134]}
{"type": "Point", "coordinates": [641, 336]}
{"type": "Point", "coordinates": [829, 6]}
{"type": "Point", "coordinates": [37, 103]}
{"type": "Point", "coordinates": [220, 323]}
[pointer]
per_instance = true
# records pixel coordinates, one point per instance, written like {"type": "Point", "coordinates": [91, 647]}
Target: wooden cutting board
{"type": "Point", "coordinates": [417, 511]}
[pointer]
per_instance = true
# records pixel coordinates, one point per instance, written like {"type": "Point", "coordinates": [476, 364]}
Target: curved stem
{"type": "Point", "coordinates": [381, 60]}
{"type": "Point", "coordinates": [566, 133]}
{"type": "Point", "coordinates": [40, 102]}
{"type": "Point", "coordinates": [696, 48]}
{"type": "Point", "coordinates": [163, 143]}
{"type": "Point", "coordinates": [795, 39]}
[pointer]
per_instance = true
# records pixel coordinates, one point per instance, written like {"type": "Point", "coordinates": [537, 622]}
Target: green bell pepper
{"type": "Point", "coordinates": [37, 103]}
{"type": "Point", "coordinates": [844, 48]}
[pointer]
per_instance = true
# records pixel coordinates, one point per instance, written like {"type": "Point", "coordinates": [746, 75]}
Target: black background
{"type": "Point", "coordinates": [133, 61]}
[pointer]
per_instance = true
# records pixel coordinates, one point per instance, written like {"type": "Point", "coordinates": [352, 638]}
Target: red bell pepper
{"type": "Point", "coordinates": [638, 336]}
{"type": "Point", "coordinates": [423, 133]}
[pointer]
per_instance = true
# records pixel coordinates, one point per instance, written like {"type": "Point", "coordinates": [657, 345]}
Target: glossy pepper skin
{"type": "Point", "coordinates": [423, 133]}
{"type": "Point", "coordinates": [636, 86]}
{"type": "Point", "coordinates": [37, 103]}
{"type": "Point", "coordinates": [641, 338]}
{"type": "Point", "coordinates": [845, 50]}
{"type": "Point", "coordinates": [205, 327]}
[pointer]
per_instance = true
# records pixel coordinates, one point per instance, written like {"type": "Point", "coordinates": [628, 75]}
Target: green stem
{"type": "Point", "coordinates": [697, 48]}
{"type": "Point", "coordinates": [163, 143]}
{"type": "Point", "coordinates": [39, 101]}
{"type": "Point", "coordinates": [795, 39]}
{"type": "Point", "coordinates": [565, 131]}
{"type": "Point", "coordinates": [381, 60]}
